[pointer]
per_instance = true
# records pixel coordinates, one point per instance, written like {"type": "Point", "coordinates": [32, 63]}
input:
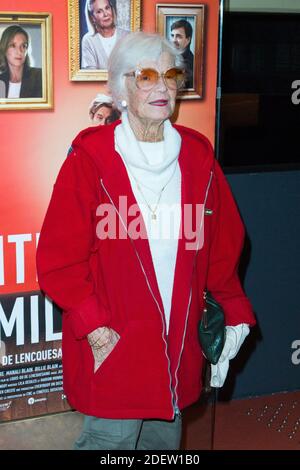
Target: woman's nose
{"type": "Point", "coordinates": [161, 84]}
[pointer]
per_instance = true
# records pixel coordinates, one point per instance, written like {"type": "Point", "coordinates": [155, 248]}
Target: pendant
{"type": "Point", "coordinates": [153, 217]}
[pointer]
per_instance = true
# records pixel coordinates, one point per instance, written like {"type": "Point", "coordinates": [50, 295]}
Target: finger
{"type": "Point", "coordinates": [219, 373]}
{"type": "Point", "coordinates": [223, 370]}
{"type": "Point", "coordinates": [97, 364]}
{"type": "Point", "coordinates": [214, 381]}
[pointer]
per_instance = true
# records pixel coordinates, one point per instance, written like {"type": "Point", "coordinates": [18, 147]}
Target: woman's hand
{"type": "Point", "coordinates": [235, 336]}
{"type": "Point", "coordinates": [102, 341]}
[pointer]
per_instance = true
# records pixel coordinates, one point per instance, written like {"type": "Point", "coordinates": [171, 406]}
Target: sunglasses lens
{"type": "Point", "coordinates": [174, 78]}
{"type": "Point", "coordinates": [146, 78]}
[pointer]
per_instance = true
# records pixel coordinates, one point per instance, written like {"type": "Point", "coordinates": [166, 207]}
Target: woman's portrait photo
{"type": "Point", "coordinates": [183, 26]}
{"type": "Point", "coordinates": [20, 77]}
{"type": "Point", "coordinates": [95, 26]}
{"type": "Point", "coordinates": [24, 75]}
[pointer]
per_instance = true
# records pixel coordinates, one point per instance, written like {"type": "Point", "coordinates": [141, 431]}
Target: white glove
{"type": "Point", "coordinates": [235, 336]}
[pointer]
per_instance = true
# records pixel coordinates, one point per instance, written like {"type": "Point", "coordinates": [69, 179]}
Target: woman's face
{"type": "Point", "coordinates": [103, 14]}
{"type": "Point", "coordinates": [17, 50]}
{"type": "Point", "coordinates": [157, 104]}
{"type": "Point", "coordinates": [101, 115]}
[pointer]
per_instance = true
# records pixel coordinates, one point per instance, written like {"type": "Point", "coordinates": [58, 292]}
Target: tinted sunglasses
{"type": "Point", "coordinates": [147, 78]}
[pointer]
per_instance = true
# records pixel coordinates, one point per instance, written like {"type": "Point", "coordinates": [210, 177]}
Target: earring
{"type": "Point", "coordinates": [124, 103]}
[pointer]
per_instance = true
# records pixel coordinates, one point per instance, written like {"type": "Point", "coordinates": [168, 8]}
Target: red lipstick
{"type": "Point", "coordinates": [159, 103]}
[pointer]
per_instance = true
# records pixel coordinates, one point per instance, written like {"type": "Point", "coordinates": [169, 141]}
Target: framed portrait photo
{"type": "Point", "coordinates": [94, 28]}
{"type": "Point", "coordinates": [183, 25]}
{"type": "Point", "coordinates": [25, 60]}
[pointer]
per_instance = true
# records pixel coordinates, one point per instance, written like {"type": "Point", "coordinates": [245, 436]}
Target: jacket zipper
{"type": "Point", "coordinates": [174, 394]}
{"type": "Point", "coordinates": [190, 296]}
{"type": "Point", "coordinates": [174, 402]}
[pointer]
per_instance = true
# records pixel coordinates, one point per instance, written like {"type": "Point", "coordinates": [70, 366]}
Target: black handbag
{"type": "Point", "coordinates": [211, 329]}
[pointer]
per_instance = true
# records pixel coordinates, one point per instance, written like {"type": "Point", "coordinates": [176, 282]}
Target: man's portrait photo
{"type": "Point", "coordinates": [183, 26]}
{"type": "Point", "coordinates": [180, 33]}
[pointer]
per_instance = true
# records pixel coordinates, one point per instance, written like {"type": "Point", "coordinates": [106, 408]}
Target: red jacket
{"type": "Point", "coordinates": [112, 282]}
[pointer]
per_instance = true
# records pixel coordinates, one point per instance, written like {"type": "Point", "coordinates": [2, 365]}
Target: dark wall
{"type": "Point", "coordinates": [270, 359]}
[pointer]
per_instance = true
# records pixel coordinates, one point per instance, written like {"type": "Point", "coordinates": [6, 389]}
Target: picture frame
{"type": "Point", "coordinates": [87, 54]}
{"type": "Point", "coordinates": [183, 24]}
{"type": "Point", "coordinates": [33, 86]}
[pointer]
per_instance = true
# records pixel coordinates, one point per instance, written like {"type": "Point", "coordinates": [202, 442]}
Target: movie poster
{"type": "Point", "coordinates": [30, 338]}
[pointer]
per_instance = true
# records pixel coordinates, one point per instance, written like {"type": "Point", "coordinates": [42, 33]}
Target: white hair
{"type": "Point", "coordinates": [129, 52]}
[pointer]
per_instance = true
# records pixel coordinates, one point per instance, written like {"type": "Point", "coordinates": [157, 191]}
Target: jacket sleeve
{"type": "Point", "coordinates": [225, 250]}
{"type": "Point", "coordinates": [66, 243]}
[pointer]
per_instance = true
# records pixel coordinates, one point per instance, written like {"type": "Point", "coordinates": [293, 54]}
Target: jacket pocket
{"type": "Point", "coordinates": [132, 352]}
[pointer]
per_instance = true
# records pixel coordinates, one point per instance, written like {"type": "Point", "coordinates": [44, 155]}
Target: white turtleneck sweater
{"type": "Point", "coordinates": [155, 166]}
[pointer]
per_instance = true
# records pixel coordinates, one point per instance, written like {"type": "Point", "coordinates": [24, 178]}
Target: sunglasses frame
{"type": "Point", "coordinates": [138, 71]}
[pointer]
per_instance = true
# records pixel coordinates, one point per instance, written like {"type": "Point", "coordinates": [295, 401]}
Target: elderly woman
{"type": "Point", "coordinates": [118, 253]}
{"type": "Point", "coordinates": [103, 34]}
{"type": "Point", "coordinates": [21, 80]}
